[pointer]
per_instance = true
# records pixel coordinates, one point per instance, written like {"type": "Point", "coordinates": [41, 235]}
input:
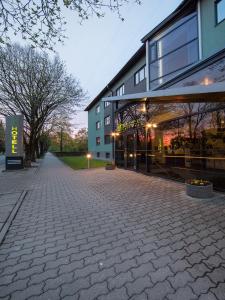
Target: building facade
{"type": "Point", "coordinates": [174, 126]}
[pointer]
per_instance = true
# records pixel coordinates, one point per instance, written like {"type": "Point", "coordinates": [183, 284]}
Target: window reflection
{"type": "Point", "coordinates": [189, 140]}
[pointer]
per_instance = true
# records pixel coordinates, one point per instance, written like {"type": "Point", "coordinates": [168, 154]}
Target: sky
{"type": "Point", "coordinates": [95, 51]}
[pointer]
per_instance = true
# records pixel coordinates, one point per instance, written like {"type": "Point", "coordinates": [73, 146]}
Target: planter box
{"type": "Point", "coordinates": [198, 191]}
{"type": "Point", "coordinates": [110, 167]}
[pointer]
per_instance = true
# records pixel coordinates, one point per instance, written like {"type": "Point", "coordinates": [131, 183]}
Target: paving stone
{"type": "Point", "coordinates": [72, 288]}
{"type": "Point", "coordinates": [5, 280]}
{"type": "Point", "coordinates": [162, 261]}
{"type": "Point", "coordinates": [138, 285]}
{"type": "Point", "coordinates": [117, 294]}
{"type": "Point", "coordinates": [85, 271]}
{"type": "Point", "coordinates": [102, 275]}
{"type": "Point", "coordinates": [210, 250]}
{"type": "Point", "coordinates": [208, 296]}
{"type": "Point", "coordinates": [146, 257]}
{"type": "Point", "coordinates": [179, 265]}
{"type": "Point", "coordinates": [49, 295]}
{"type": "Point", "coordinates": [217, 275]}
{"type": "Point", "coordinates": [33, 290]}
{"type": "Point", "coordinates": [160, 274]}
{"type": "Point", "coordinates": [94, 291]}
{"type": "Point", "coordinates": [29, 272]}
{"type": "Point", "coordinates": [142, 270]}
{"type": "Point", "coordinates": [219, 291]}
{"type": "Point", "coordinates": [43, 276]}
{"type": "Point", "coordinates": [198, 270]}
{"type": "Point", "coordinates": [180, 279]}
{"type": "Point", "coordinates": [94, 258]}
{"type": "Point", "coordinates": [72, 266]}
{"type": "Point", "coordinates": [213, 261]}
{"type": "Point", "coordinates": [159, 291]}
{"type": "Point", "coordinates": [184, 293]}
{"type": "Point", "coordinates": [126, 265]}
{"type": "Point", "coordinates": [195, 258]}
{"type": "Point", "coordinates": [201, 285]}
{"type": "Point", "coordinates": [142, 296]}
{"type": "Point", "coordinates": [119, 280]}
{"type": "Point", "coordinates": [56, 282]}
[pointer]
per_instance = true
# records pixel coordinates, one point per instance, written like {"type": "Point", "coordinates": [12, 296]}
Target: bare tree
{"type": "Point", "coordinates": [37, 87]}
{"type": "Point", "coordinates": [42, 22]}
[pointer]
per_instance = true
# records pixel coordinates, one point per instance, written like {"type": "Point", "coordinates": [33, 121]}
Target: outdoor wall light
{"type": "Point", "coordinates": [131, 155]}
{"type": "Point", "coordinates": [114, 134]}
{"type": "Point", "coordinates": [207, 81]}
{"type": "Point", "coordinates": [151, 125]}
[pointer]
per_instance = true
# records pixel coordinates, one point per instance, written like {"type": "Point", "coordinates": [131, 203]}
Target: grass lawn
{"type": "Point", "coordinates": [80, 162]}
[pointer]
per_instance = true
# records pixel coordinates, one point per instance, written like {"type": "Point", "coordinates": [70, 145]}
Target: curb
{"type": "Point", "coordinates": [12, 215]}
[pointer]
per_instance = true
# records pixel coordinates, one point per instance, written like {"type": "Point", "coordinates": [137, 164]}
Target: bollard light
{"type": "Point", "coordinates": [88, 159]}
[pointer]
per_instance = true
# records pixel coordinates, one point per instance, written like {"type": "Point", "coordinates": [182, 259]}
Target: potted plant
{"type": "Point", "coordinates": [199, 188]}
{"type": "Point", "coordinates": [110, 166]}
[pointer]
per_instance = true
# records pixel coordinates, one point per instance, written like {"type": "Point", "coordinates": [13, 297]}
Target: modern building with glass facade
{"type": "Point", "coordinates": [167, 105]}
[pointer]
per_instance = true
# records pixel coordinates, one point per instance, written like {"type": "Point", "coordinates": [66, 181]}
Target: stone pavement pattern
{"type": "Point", "coordinates": [112, 235]}
{"type": "Point", "coordinates": [7, 202]}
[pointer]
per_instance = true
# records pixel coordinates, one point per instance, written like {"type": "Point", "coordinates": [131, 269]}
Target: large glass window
{"type": "Point", "coordinates": [107, 120]}
{"type": "Point", "coordinates": [106, 104]}
{"type": "Point", "coordinates": [120, 91]}
{"type": "Point", "coordinates": [176, 60]}
{"type": "Point", "coordinates": [98, 125]}
{"type": "Point", "coordinates": [174, 51]}
{"type": "Point", "coordinates": [220, 11]}
{"type": "Point", "coordinates": [97, 109]}
{"type": "Point", "coordinates": [107, 139]}
{"type": "Point", "coordinates": [139, 75]}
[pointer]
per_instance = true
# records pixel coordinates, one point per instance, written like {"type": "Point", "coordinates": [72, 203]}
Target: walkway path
{"type": "Point", "coordinates": [112, 235]}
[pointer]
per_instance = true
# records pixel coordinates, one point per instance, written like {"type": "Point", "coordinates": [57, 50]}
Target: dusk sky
{"type": "Point", "coordinates": [96, 50]}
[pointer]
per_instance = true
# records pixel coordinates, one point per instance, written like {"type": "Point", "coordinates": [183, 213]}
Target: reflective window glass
{"type": "Point", "coordinates": [220, 11]}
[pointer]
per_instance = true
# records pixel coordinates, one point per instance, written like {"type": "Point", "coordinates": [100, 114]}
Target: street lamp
{"type": "Point", "coordinates": [88, 159]}
{"type": "Point", "coordinates": [114, 135]}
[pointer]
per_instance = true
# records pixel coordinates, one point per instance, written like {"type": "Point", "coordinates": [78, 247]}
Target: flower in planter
{"type": "Point", "coordinates": [199, 182]}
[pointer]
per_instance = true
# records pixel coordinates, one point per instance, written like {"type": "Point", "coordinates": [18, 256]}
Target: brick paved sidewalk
{"type": "Point", "coordinates": [112, 235]}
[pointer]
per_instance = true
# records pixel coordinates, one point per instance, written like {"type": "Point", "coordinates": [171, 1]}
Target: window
{"type": "Point", "coordinates": [107, 139]}
{"type": "Point", "coordinates": [107, 120]}
{"type": "Point", "coordinates": [139, 76]}
{"type": "Point", "coordinates": [220, 10]}
{"type": "Point", "coordinates": [174, 51]}
{"type": "Point", "coordinates": [107, 155]}
{"type": "Point", "coordinates": [98, 154]}
{"type": "Point", "coordinates": [106, 104]}
{"type": "Point", "coordinates": [98, 140]}
{"type": "Point", "coordinates": [153, 52]}
{"type": "Point", "coordinates": [98, 109]}
{"type": "Point", "coordinates": [98, 125]}
{"type": "Point", "coordinates": [120, 91]}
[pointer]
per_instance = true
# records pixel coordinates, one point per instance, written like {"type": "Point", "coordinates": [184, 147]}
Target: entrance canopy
{"type": "Point", "coordinates": [199, 93]}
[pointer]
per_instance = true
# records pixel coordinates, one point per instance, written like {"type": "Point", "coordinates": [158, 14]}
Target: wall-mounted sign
{"type": "Point", "coordinates": [14, 142]}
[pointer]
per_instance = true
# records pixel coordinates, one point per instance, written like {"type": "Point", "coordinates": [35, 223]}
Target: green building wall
{"type": "Point", "coordinates": [93, 117]}
{"type": "Point", "coordinates": [213, 35]}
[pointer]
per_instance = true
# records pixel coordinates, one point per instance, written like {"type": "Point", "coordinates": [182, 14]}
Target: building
{"type": "Point", "coordinates": [167, 104]}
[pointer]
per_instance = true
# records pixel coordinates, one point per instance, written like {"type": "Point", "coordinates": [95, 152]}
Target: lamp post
{"type": "Point", "coordinates": [88, 159]}
{"type": "Point", "coordinates": [114, 135]}
{"type": "Point", "coordinates": [147, 126]}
